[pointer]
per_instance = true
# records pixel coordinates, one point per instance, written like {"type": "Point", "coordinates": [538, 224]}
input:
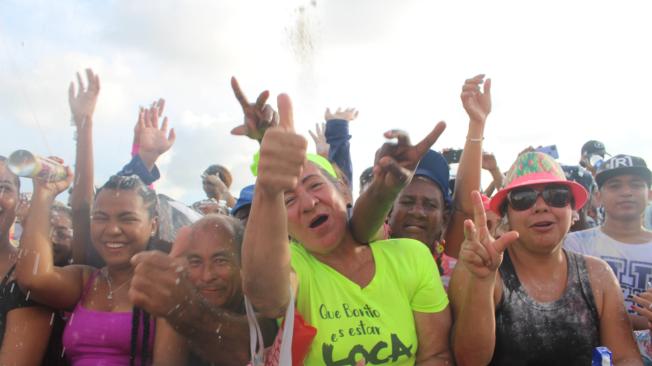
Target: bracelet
{"type": "Point", "coordinates": [470, 139]}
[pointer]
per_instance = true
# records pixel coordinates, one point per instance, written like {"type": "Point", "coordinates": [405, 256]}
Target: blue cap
{"type": "Point", "coordinates": [246, 196]}
{"type": "Point", "coordinates": [434, 166]}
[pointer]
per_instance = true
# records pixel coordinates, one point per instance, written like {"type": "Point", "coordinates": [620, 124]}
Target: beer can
{"type": "Point", "coordinates": [25, 164]}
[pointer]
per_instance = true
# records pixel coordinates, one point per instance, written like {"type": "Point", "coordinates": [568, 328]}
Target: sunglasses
{"type": "Point", "coordinates": [522, 199]}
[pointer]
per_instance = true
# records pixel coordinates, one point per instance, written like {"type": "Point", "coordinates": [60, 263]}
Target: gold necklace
{"type": "Point", "coordinates": [105, 272]}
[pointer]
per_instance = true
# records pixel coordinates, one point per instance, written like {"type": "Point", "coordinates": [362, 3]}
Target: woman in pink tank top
{"type": "Point", "coordinates": [104, 327]}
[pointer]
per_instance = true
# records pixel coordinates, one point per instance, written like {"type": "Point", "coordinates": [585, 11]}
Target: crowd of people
{"type": "Point", "coordinates": [544, 266]}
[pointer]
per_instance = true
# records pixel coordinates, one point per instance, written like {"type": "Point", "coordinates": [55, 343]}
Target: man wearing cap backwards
{"type": "Point", "coordinates": [522, 299]}
{"type": "Point", "coordinates": [622, 241]}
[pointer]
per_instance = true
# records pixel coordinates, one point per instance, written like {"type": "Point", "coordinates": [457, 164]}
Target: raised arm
{"type": "Point", "coordinates": [394, 166]}
{"type": "Point", "coordinates": [82, 106]}
{"type": "Point", "coordinates": [258, 117]}
{"type": "Point", "coordinates": [57, 287]}
{"type": "Point", "coordinates": [266, 253]}
{"type": "Point", "coordinates": [152, 140]}
{"type": "Point", "coordinates": [478, 106]}
{"type": "Point", "coordinates": [473, 289]}
{"type": "Point", "coordinates": [490, 164]}
{"type": "Point", "coordinates": [337, 138]}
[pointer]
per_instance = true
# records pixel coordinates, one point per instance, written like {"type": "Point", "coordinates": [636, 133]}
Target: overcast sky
{"type": "Point", "coordinates": [563, 72]}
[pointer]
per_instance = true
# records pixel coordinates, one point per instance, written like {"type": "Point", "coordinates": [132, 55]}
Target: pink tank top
{"type": "Point", "coordinates": [100, 338]}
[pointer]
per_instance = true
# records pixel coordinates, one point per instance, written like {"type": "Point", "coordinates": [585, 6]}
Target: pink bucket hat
{"type": "Point", "coordinates": [532, 168]}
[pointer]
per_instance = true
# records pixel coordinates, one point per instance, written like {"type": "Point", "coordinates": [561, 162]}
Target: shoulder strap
{"type": "Point", "coordinates": [8, 275]}
{"type": "Point", "coordinates": [88, 284]}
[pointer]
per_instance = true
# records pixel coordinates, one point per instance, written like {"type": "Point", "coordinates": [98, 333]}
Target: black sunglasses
{"type": "Point", "coordinates": [522, 199]}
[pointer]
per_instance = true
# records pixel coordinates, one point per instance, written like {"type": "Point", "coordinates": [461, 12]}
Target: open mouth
{"type": "Point", "coordinates": [318, 221]}
{"type": "Point", "coordinates": [542, 224]}
{"type": "Point", "coordinates": [112, 245]}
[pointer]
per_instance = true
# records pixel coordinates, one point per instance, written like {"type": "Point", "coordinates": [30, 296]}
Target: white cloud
{"type": "Point", "coordinates": [563, 73]}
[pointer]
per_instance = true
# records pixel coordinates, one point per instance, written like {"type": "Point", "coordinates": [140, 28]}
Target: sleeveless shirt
{"type": "Point", "coordinates": [561, 332]}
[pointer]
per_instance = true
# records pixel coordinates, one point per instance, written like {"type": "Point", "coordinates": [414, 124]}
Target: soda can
{"type": "Point", "coordinates": [25, 164]}
{"type": "Point", "coordinates": [602, 357]}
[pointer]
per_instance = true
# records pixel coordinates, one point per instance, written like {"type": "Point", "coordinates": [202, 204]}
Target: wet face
{"type": "Point", "coordinates": [419, 212]}
{"type": "Point", "coordinates": [624, 197]}
{"type": "Point", "coordinates": [541, 228]}
{"type": "Point", "coordinates": [316, 210]}
{"type": "Point", "coordinates": [214, 266]}
{"type": "Point", "coordinates": [120, 225]}
{"type": "Point", "coordinates": [61, 236]}
{"type": "Point", "coordinates": [8, 200]}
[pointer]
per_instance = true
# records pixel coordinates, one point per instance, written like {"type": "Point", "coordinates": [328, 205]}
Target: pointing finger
{"type": "Point", "coordinates": [238, 93]}
{"type": "Point", "coordinates": [425, 144]}
{"type": "Point", "coordinates": [479, 216]}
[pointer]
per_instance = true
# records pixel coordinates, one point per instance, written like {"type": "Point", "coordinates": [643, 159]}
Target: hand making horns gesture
{"type": "Point", "coordinates": [395, 163]}
{"type": "Point", "coordinates": [258, 116]}
{"type": "Point", "coordinates": [481, 254]}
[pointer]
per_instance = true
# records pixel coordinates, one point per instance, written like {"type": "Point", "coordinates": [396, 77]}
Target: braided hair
{"type": "Point", "coordinates": [133, 183]}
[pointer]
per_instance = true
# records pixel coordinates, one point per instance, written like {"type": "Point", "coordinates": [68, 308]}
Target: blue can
{"type": "Point", "coordinates": [602, 357]}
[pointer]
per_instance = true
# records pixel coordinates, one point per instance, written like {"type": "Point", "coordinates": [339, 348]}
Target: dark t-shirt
{"type": "Point", "coordinates": [11, 297]}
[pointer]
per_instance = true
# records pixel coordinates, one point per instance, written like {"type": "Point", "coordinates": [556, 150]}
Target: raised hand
{"type": "Point", "coordinates": [476, 103]}
{"type": "Point", "coordinates": [82, 103]}
{"type": "Point", "coordinates": [489, 162]}
{"type": "Point", "coordinates": [319, 136]}
{"type": "Point", "coordinates": [348, 114]}
{"type": "Point", "coordinates": [51, 189]}
{"type": "Point", "coordinates": [395, 163]}
{"type": "Point", "coordinates": [481, 254]}
{"type": "Point", "coordinates": [282, 153]}
{"type": "Point", "coordinates": [258, 117]}
{"type": "Point", "coordinates": [152, 140]}
{"type": "Point", "coordinates": [216, 186]}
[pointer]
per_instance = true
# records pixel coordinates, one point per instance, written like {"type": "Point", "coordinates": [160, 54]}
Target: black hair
{"type": "Point", "coordinates": [136, 314]}
{"type": "Point", "coordinates": [222, 172]}
{"type": "Point", "coordinates": [133, 183]}
{"type": "Point", "coordinates": [16, 178]}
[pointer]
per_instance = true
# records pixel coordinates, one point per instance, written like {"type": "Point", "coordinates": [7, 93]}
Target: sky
{"type": "Point", "coordinates": [563, 72]}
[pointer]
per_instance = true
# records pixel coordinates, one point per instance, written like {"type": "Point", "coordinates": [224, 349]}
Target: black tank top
{"type": "Point", "coordinates": [562, 332]}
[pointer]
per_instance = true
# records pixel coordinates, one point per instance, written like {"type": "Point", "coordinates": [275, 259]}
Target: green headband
{"type": "Point", "coordinates": [318, 160]}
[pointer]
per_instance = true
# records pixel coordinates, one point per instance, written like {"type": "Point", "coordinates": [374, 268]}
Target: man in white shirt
{"type": "Point", "coordinates": [622, 241]}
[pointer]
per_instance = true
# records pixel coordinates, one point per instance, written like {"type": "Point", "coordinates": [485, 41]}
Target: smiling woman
{"type": "Point", "coordinates": [104, 323]}
{"type": "Point", "coordinates": [539, 304]}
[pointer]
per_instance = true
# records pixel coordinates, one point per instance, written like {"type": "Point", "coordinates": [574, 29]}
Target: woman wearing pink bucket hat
{"type": "Point", "coordinates": [523, 299]}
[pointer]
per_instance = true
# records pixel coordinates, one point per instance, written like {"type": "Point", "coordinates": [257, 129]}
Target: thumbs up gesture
{"type": "Point", "coordinates": [282, 153]}
{"type": "Point", "coordinates": [481, 254]}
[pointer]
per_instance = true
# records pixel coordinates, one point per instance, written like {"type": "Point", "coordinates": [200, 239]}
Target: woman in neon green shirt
{"type": "Point", "coordinates": [381, 303]}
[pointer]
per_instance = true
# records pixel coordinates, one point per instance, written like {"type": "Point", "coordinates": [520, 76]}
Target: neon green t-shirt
{"type": "Point", "coordinates": [376, 322]}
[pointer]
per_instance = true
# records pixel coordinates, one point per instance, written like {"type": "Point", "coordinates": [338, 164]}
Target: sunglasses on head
{"type": "Point", "coordinates": [521, 199]}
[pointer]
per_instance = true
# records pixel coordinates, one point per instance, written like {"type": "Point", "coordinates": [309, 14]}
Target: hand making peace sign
{"type": "Point", "coordinates": [481, 254]}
